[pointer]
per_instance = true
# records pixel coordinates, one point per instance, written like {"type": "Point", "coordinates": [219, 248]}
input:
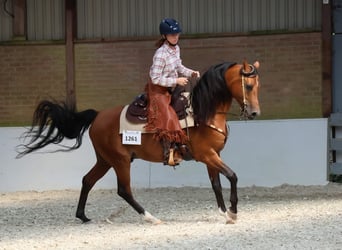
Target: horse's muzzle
{"type": "Point", "coordinates": [253, 115]}
{"type": "Point", "coordinates": [249, 113]}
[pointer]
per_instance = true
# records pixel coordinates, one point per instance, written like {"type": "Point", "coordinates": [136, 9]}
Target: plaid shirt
{"type": "Point", "coordinates": [167, 65]}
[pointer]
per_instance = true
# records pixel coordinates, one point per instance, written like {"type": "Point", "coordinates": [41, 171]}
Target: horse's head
{"type": "Point", "coordinates": [210, 95]}
{"type": "Point", "coordinates": [243, 82]}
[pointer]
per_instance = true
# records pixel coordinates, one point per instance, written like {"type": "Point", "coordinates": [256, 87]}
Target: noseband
{"type": "Point", "coordinates": [251, 74]}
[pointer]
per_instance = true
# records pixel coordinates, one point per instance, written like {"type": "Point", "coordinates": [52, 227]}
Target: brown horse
{"type": "Point", "coordinates": [211, 99]}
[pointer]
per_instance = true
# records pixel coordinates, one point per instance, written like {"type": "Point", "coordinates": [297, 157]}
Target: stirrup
{"type": "Point", "coordinates": [171, 160]}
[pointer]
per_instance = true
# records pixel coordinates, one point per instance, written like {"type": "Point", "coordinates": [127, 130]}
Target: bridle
{"type": "Point", "coordinates": [243, 108]}
{"type": "Point", "coordinates": [251, 74]}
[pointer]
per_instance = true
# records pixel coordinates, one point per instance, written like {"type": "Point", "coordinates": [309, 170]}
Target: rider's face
{"type": "Point", "coordinates": [173, 38]}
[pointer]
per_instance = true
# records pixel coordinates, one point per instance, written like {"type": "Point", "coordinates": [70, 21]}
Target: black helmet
{"type": "Point", "coordinates": [169, 26]}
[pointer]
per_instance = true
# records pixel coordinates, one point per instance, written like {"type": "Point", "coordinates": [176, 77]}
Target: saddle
{"type": "Point", "coordinates": [137, 110]}
{"type": "Point", "coordinates": [137, 114]}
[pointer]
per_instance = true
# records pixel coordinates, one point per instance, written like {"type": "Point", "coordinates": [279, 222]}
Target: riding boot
{"type": "Point", "coordinates": [184, 151]}
{"type": "Point", "coordinates": [166, 151]}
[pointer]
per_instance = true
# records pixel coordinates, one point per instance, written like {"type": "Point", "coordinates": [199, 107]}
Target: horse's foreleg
{"type": "Point", "coordinates": [216, 185]}
{"type": "Point", "coordinates": [88, 181]}
{"type": "Point", "coordinates": [124, 191]}
{"type": "Point", "coordinates": [230, 174]}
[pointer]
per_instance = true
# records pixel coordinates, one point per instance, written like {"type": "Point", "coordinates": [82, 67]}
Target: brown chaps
{"type": "Point", "coordinates": [161, 118]}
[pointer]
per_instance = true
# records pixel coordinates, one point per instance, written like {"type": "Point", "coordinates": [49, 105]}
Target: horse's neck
{"type": "Point", "coordinates": [224, 108]}
{"type": "Point", "coordinates": [220, 118]}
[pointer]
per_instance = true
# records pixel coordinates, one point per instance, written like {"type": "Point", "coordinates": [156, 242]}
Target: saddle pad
{"type": "Point", "coordinates": [126, 125]}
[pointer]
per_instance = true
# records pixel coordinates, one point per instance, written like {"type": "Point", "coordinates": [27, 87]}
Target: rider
{"type": "Point", "coordinates": [166, 72]}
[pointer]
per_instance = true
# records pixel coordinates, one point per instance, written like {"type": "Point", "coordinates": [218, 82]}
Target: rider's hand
{"type": "Point", "coordinates": [195, 74]}
{"type": "Point", "coordinates": [182, 81]}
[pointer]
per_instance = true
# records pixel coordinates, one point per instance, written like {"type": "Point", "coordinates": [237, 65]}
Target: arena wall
{"type": "Point", "coordinates": [262, 153]}
{"type": "Point", "coordinates": [112, 73]}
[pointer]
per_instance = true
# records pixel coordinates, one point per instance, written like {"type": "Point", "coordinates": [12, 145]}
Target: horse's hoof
{"type": "Point", "coordinates": [83, 218]}
{"type": "Point", "coordinates": [230, 216]}
{"type": "Point", "coordinates": [230, 221]}
{"type": "Point", "coordinates": [150, 218]}
{"type": "Point", "coordinates": [157, 222]}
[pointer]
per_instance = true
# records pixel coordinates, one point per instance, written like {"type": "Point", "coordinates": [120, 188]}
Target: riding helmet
{"type": "Point", "coordinates": [169, 26]}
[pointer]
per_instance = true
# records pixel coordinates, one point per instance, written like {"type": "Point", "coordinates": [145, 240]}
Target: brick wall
{"type": "Point", "coordinates": [28, 74]}
{"type": "Point", "coordinates": [112, 73]}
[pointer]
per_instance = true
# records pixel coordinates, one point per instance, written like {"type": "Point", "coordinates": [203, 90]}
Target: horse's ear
{"type": "Point", "coordinates": [256, 64]}
{"type": "Point", "coordinates": [245, 66]}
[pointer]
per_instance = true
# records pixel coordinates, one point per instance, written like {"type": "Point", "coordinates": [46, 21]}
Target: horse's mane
{"type": "Point", "coordinates": [210, 92]}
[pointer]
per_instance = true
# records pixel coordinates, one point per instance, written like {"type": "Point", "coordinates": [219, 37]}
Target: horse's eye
{"type": "Point", "coordinates": [249, 87]}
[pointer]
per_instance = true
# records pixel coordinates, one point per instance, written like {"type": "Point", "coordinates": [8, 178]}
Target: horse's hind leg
{"type": "Point", "coordinates": [124, 191]}
{"type": "Point", "coordinates": [88, 181]}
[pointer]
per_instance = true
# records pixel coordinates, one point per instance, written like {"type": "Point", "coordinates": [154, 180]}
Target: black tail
{"type": "Point", "coordinates": [52, 122]}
